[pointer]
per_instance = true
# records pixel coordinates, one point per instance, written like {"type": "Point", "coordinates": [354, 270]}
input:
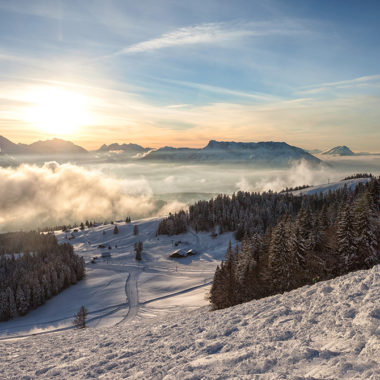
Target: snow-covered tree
{"type": "Point", "coordinates": [365, 234]}
{"type": "Point", "coordinates": [346, 238]}
{"type": "Point", "coordinates": [80, 318]}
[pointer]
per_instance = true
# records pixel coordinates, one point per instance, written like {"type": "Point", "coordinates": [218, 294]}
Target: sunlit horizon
{"type": "Point", "coordinates": [178, 77]}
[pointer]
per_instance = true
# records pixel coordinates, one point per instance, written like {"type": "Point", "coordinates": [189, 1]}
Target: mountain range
{"type": "Point", "coordinates": [47, 147]}
{"type": "Point", "coordinates": [273, 153]}
{"type": "Point", "coordinates": [127, 148]}
{"type": "Point", "coordinates": [261, 153]}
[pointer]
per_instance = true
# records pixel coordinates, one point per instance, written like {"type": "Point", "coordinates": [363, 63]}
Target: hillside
{"type": "Point", "coordinates": [152, 319]}
{"type": "Point", "coordinates": [325, 188]}
{"type": "Point", "coordinates": [160, 285]}
{"type": "Point", "coordinates": [326, 331]}
{"type": "Point", "coordinates": [8, 147]}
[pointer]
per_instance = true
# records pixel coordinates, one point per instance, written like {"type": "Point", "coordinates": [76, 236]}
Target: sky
{"type": "Point", "coordinates": [180, 73]}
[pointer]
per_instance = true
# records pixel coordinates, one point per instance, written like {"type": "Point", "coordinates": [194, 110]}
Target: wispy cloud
{"type": "Point", "coordinates": [209, 33]}
{"type": "Point", "coordinates": [355, 82]}
{"type": "Point", "coordinates": [222, 90]}
{"type": "Point", "coordinates": [178, 106]}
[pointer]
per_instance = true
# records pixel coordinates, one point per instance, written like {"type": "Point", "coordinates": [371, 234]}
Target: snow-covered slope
{"type": "Point", "coordinates": [350, 183]}
{"type": "Point", "coordinates": [120, 288]}
{"type": "Point", "coordinates": [326, 331]}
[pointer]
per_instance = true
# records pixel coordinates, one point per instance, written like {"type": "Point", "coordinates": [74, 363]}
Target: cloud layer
{"type": "Point", "coordinates": [53, 194]}
{"type": "Point", "coordinates": [32, 197]}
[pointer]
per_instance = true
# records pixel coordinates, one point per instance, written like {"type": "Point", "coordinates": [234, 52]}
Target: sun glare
{"type": "Point", "coordinates": [57, 111]}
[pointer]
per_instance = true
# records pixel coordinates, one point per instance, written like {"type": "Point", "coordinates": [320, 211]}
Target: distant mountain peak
{"type": "Point", "coordinates": [55, 146]}
{"type": "Point", "coordinates": [340, 150]}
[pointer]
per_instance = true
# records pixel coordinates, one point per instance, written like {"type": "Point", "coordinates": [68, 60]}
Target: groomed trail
{"type": "Point", "coordinates": [330, 330]}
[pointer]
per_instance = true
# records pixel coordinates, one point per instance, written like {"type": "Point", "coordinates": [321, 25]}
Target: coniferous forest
{"type": "Point", "coordinates": [34, 268]}
{"type": "Point", "coordinates": [287, 241]}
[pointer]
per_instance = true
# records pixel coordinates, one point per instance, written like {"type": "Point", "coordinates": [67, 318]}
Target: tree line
{"type": "Point", "coordinates": [34, 268]}
{"type": "Point", "coordinates": [248, 213]}
{"type": "Point", "coordinates": [300, 250]}
{"type": "Point", "coordinates": [287, 241]}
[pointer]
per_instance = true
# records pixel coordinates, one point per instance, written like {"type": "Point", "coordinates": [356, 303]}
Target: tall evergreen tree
{"type": "Point", "coordinates": [365, 233]}
{"type": "Point", "coordinates": [282, 262]}
{"type": "Point", "coordinates": [346, 239]}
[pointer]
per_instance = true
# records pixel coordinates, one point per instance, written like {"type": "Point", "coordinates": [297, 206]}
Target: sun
{"type": "Point", "coordinates": [58, 111]}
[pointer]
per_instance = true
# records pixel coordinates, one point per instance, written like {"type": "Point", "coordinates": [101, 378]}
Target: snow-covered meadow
{"type": "Point", "coordinates": [120, 288]}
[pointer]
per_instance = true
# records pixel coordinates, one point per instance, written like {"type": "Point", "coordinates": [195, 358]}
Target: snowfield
{"type": "Point", "coordinates": [119, 288]}
{"type": "Point", "coordinates": [151, 319]}
{"type": "Point", "coordinates": [326, 331]}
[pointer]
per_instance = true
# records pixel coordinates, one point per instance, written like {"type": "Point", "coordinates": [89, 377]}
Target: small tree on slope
{"type": "Point", "coordinates": [80, 318]}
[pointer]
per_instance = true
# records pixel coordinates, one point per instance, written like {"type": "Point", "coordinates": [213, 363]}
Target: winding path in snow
{"type": "Point", "coordinates": [132, 295]}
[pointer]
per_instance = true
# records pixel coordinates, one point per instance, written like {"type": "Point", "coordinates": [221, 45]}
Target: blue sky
{"type": "Point", "coordinates": [183, 72]}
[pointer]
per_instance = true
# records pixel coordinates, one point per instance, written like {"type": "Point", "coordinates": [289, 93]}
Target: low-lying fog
{"type": "Point", "coordinates": [33, 196]}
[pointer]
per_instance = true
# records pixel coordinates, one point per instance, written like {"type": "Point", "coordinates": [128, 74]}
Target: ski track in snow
{"type": "Point", "coordinates": [330, 330]}
{"type": "Point", "coordinates": [132, 296]}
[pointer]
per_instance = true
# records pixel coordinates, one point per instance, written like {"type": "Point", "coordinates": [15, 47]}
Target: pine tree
{"type": "Point", "coordinates": [36, 296]}
{"type": "Point", "coordinates": [80, 318]}
{"type": "Point", "coordinates": [283, 263]}
{"type": "Point", "coordinates": [346, 239]}
{"type": "Point", "coordinates": [138, 250]}
{"type": "Point", "coordinates": [54, 281]}
{"type": "Point", "coordinates": [297, 244]}
{"type": "Point", "coordinates": [135, 229]}
{"type": "Point", "coordinates": [365, 233]}
{"type": "Point", "coordinates": [115, 230]}
{"type": "Point", "coordinates": [11, 303]}
{"type": "Point", "coordinates": [4, 306]}
{"type": "Point", "coordinates": [21, 303]}
{"type": "Point", "coordinates": [225, 289]}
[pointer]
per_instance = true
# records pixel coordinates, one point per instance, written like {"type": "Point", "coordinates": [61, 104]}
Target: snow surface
{"type": "Point", "coordinates": [330, 330]}
{"type": "Point", "coordinates": [324, 189]}
{"type": "Point", "coordinates": [120, 288]}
